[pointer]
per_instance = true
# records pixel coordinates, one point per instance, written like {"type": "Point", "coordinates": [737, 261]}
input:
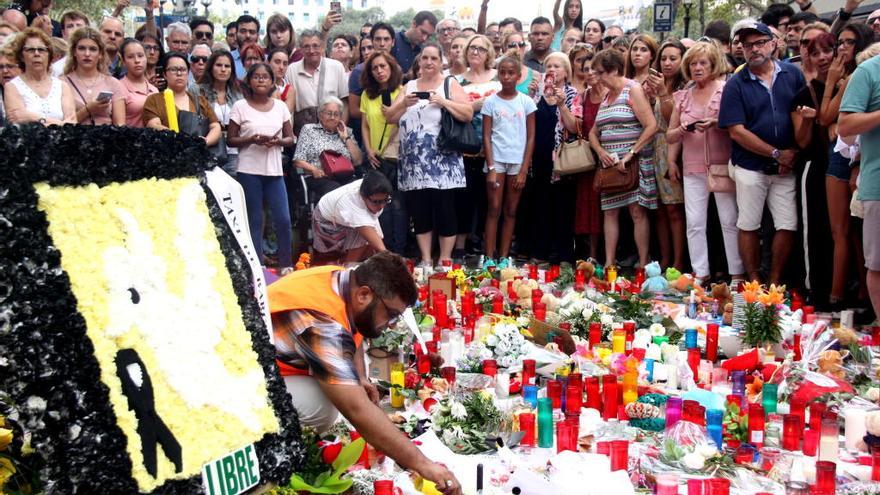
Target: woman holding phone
{"type": "Point", "coordinates": [381, 82]}
{"type": "Point", "coordinates": [429, 176]}
{"type": "Point", "coordinates": [260, 127]}
{"type": "Point", "coordinates": [99, 98]}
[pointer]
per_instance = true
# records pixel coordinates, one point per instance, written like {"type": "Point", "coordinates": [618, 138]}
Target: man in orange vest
{"type": "Point", "coordinates": [321, 317]}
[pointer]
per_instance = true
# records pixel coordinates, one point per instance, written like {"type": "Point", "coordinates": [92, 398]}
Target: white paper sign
{"type": "Point", "coordinates": [232, 474]}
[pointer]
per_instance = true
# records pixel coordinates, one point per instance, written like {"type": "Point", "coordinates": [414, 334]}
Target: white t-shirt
{"type": "Point", "coordinates": [256, 159]}
{"type": "Point", "coordinates": [335, 82]}
{"type": "Point", "coordinates": [344, 206]}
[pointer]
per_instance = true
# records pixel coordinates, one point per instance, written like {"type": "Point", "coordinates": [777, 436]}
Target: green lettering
{"type": "Point", "coordinates": [229, 475]}
{"type": "Point", "coordinates": [241, 469]}
{"type": "Point", "coordinates": [250, 464]}
{"type": "Point", "coordinates": [210, 479]}
{"type": "Point", "coordinates": [220, 482]}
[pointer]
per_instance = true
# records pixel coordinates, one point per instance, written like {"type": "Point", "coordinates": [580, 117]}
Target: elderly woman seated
{"type": "Point", "coordinates": [329, 134]}
{"type": "Point", "coordinates": [346, 221]}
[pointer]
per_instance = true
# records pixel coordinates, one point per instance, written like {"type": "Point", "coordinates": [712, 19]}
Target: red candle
{"type": "Point", "coordinates": [424, 364]}
{"type": "Point", "coordinates": [694, 362]}
{"type": "Point", "coordinates": [695, 487]}
{"type": "Point", "coordinates": [527, 426]}
{"type": "Point", "coordinates": [875, 335]}
{"type": "Point", "coordinates": [554, 392]}
{"type": "Point", "coordinates": [718, 486]}
{"type": "Point", "coordinates": [640, 278]}
{"type": "Point", "coordinates": [448, 372]}
{"type": "Point", "coordinates": [797, 347]}
{"type": "Point", "coordinates": [498, 304]}
{"type": "Point", "coordinates": [490, 367]}
{"type": "Point", "coordinates": [564, 437]}
{"type": "Point", "coordinates": [712, 342]}
{"type": "Point", "coordinates": [792, 429]}
{"type": "Point", "coordinates": [573, 397]}
{"type": "Point", "coordinates": [579, 280]}
{"type": "Point", "coordinates": [576, 378]}
{"type": "Point", "coordinates": [609, 396]}
{"type": "Point", "coordinates": [744, 455]}
{"type": "Point", "coordinates": [469, 332]}
{"type": "Point", "coordinates": [619, 455]}
{"type": "Point", "coordinates": [594, 400]}
{"type": "Point", "coordinates": [603, 448]}
{"type": "Point", "coordinates": [540, 311]}
{"type": "Point", "coordinates": [537, 294]}
{"type": "Point", "coordinates": [811, 442]}
{"type": "Point", "coordinates": [528, 373]}
{"type": "Point", "coordinates": [432, 345]}
{"type": "Point", "coordinates": [797, 408]}
{"type": "Point", "coordinates": [595, 333]}
{"type": "Point", "coordinates": [756, 425]}
{"type": "Point", "coordinates": [383, 487]}
{"type": "Point", "coordinates": [533, 272]}
{"type": "Point", "coordinates": [817, 409]}
{"type": "Point", "coordinates": [495, 283]}
{"type": "Point", "coordinates": [825, 478]}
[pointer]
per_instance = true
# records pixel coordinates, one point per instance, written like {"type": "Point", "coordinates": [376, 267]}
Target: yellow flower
{"type": "Point", "coordinates": [753, 286]}
{"type": "Point", "coordinates": [750, 296]}
{"type": "Point", "coordinates": [5, 438]}
{"type": "Point", "coordinates": [6, 471]}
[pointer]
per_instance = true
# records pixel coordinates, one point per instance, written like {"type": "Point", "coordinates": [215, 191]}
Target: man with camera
{"type": "Point", "coordinates": [755, 108]}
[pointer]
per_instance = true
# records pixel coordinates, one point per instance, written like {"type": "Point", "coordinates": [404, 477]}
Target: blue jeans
{"type": "Point", "coordinates": [260, 188]}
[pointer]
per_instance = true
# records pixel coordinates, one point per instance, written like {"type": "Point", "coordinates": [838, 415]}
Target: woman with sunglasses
{"type": "Point", "coordinates": [260, 127]}
{"type": "Point", "coordinates": [514, 45]}
{"type": "Point", "coordinates": [135, 86]}
{"type": "Point", "coordinates": [664, 80]}
{"type": "Point", "coordinates": [220, 88]}
{"type": "Point", "coordinates": [36, 96]}
{"type": "Point", "coordinates": [587, 216]}
{"type": "Point", "coordinates": [479, 82]}
{"type": "Point", "coordinates": [346, 221]}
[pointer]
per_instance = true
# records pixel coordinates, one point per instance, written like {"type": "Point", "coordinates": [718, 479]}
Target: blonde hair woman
{"type": "Point", "coordinates": [99, 98]}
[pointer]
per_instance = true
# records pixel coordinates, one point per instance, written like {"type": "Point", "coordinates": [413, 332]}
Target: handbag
{"type": "Point", "coordinates": [717, 175]}
{"type": "Point", "coordinates": [574, 157]}
{"type": "Point", "coordinates": [455, 136]}
{"type": "Point", "coordinates": [610, 180]}
{"type": "Point", "coordinates": [336, 165]}
{"type": "Point", "coordinates": [219, 149]}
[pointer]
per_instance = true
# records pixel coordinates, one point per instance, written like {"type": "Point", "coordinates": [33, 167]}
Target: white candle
{"type": "Point", "coordinates": [502, 385]}
{"type": "Point", "coordinates": [854, 427]}
{"type": "Point", "coordinates": [672, 376]}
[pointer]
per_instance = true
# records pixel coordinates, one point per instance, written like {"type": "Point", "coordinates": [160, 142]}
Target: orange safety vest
{"type": "Point", "coordinates": [312, 290]}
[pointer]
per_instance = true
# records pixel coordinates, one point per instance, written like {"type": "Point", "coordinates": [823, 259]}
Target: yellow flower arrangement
{"type": "Point", "coordinates": [163, 226]}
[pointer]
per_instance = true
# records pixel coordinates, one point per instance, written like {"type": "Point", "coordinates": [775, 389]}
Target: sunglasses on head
{"type": "Point", "coordinates": [608, 39]}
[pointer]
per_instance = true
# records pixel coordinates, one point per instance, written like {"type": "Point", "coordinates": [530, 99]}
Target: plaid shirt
{"type": "Point", "coordinates": [307, 339]}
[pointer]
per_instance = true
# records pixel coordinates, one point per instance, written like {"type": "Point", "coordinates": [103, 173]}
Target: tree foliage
{"type": "Point", "coordinates": [94, 9]}
{"type": "Point", "coordinates": [352, 19]}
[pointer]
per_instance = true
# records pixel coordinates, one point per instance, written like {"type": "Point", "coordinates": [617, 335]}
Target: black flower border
{"type": "Point", "coordinates": [47, 363]}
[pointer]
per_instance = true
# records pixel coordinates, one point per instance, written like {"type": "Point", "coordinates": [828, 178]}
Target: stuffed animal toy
{"type": "Point", "coordinates": [588, 268]}
{"type": "Point", "coordinates": [508, 274]}
{"type": "Point", "coordinates": [872, 438]}
{"type": "Point", "coordinates": [672, 274]}
{"type": "Point", "coordinates": [551, 301]}
{"type": "Point", "coordinates": [684, 283]}
{"type": "Point", "coordinates": [846, 336]}
{"type": "Point", "coordinates": [655, 282]}
{"type": "Point", "coordinates": [831, 363]}
{"type": "Point", "coordinates": [721, 293]}
{"type": "Point", "coordinates": [727, 317]}
{"type": "Point", "coordinates": [523, 289]}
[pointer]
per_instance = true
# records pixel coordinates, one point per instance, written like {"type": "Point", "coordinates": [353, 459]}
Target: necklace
{"type": "Point", "coordinates": [89, 86]}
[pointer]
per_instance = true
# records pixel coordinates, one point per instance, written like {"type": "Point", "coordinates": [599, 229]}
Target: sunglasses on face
{"type": "Point", "coordinates": [804, 43]}
{"type": "Point", "coordinates": [608, 39]}
{"type": "Point", "coordinates": [516, 44]}
{"type": "Point", "coordinates": [203, 35]}
{"type": "Point", "coordinates": [198, 59]}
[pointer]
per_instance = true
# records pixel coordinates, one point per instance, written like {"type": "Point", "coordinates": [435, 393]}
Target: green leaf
{"type": "Point", "coordinates": [348, 456]}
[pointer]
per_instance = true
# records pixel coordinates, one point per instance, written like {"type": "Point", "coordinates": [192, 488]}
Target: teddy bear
{"type": "Point", "coordinates": [872, 438]}
{"type": "Point", "coordinates": [523, 290]}
{"type": "Point", "coordinates": [846, 336]}
{"type": "Point", "coordinates": [508, 273]}
{"type": "Point", "coordinates": [672, 274]}
{"type": "Point", "coordinates": [655, 281]}
{"type": "Point", "coordinates": [831, 363]}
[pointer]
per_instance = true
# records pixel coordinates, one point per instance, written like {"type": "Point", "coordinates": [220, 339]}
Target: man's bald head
{"type": "Point", "coordinates": [16, 18]}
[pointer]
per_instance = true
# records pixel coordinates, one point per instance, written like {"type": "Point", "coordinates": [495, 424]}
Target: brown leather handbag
{"type": "Point", "coordinates": [610, 180]}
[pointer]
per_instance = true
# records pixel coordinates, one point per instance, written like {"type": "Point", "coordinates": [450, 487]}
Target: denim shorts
{"type": "Point", "coordinates": [838, 165]}
{"type": "Point", "coordinates": [504, 168]}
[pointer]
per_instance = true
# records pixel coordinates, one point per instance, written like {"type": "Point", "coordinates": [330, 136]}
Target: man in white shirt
{"type": "Point", "coordinates": [308, 74]}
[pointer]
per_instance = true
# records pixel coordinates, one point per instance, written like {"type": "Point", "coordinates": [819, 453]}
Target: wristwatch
{"type": "Point", "coordinates": [843, 15]}
{"type": "Point", "coordinates": [775, 154]}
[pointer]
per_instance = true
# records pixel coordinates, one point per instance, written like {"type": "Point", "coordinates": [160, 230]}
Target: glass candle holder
{"type": "Point", "coordinates": [744, 455]}
{"type": "Point", "coordinates": [667, 484]}
{"type": "Point", "coordinates": [564, 437]}
{"type": "Point", "coordinates": [619, 455]}
{"type": "Point", "coordinates": [829, 440]}
{"type": "Point", "coordinates": [811, 442]}
{"type": "Point", "coordinates": [756, 425]}
{"type": "Point", "coordinates": [826, 472]}
{"type": "Point", "coordinates": [792, 429]}
{"type": "Point", "coordinates": [768, 397]}
{"type": "Point", "coordinates": [618, 342]}
{"type": "Point", "coordinates": [797, 488]}
{"type": "Point", "coordinates": [528, 372]}
{"type": "Point", "coordinates": [714, 418]}
{"type": "Point", "coordinates": [490, 367]}
{"type": "Point", "coordinates": [448, 372]}
{"type": "Point", "coordinates": [769, 456]}
{"type": "Point", "coordinates": [595, 334]}
{"type": "Point", "coordinates": [609, 396]}
{"type": "Point", "coordinates": [540, 311]}
{"type": "Point", "coordinates": [875, 465]}
{"type": "Point", "coordinates": [690, 338]}
{"type": "Point", "coordinates": [696, 487]}
{"type": "Point", "coordinates": [712, 342]}
{"type": "Point", "coordinates": [798, 407]}
{"type": "Point", "coordinates": [817, 409]}
{"type": "Point", "coordinates": [545, 423]}
{"type": "Point", "coordinates": [502, 385]}
{"type": "Point", "coordinates": [739, 382]}
{"type": "Point", "coordinates": [718, 486]}
{"type": "Point", "coordinates": [673, 411]}
{"type": "Point", "coordinates": [554, 393]}
{"type": "Point", "coordinates": [594, 400]}
{"type": "Point", "coordinates": [694, 362]}
{"type": "Point", "coordinates": [383, 487]}
{"type": "Point", "coordinates": [603, 448]}
{"type": "Point", "coordinates": [424, 366]}
{"type": "Point", "coordinates": [530, 395]}
{"type": "Point", "coordinates": [573, 397]}
{"type": "Point", "coordinates": [527, 426]}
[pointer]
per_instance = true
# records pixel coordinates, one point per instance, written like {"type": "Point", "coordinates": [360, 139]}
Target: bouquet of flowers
{"type": "Point", "coordinates": [393, 338]}
{"type": "Point", "coordinates": [506, 345]}
{"type": "Point", "coordinates": [761, 326]}
{"type": "Point", "coordinates": [463, 422]}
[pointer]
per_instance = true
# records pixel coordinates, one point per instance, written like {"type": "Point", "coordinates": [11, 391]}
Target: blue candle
{"type": "Point", "coordinates": [690, 338]}
{"type": "Point", "coordinates": [530, 395]}
{"type": "Point", "coordinates": [649, 367]}
{"type": "Point", "coordinates": [713, 425]}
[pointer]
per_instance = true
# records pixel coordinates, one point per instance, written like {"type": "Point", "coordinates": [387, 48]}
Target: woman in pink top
{"type": "Point", "coordinates": [97, 94]}
{"type": "Point", "coordinates": [693, 126]}
{"type": "Point", "coordinates": [135, 86]}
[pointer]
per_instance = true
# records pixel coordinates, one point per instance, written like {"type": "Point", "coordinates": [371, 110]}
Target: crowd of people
{"type": "Point", "coordinates": [750, 153]}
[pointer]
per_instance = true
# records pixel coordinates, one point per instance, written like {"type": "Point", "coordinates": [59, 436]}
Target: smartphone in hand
{"type": "Point", "coordinates": [336, 7]}
{"type": "Point", "coordinates": [423, 95]}
{"type": "Point", "coordinates": [386, 98]}
{"type": "Point", "coordinates": [104, 96]}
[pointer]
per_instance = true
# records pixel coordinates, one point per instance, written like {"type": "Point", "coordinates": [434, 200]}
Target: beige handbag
{"type": "Point", "coordinates": [717, 175]}
{"type": "Point", "coordinates": [574, 157]}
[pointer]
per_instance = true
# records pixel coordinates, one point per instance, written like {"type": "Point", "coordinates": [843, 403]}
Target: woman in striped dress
{"type": "Point", "coordinates": [622, 137]}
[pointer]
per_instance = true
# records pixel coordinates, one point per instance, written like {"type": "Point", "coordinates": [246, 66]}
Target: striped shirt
{"type": "Point", "coordinates": [311, 340]}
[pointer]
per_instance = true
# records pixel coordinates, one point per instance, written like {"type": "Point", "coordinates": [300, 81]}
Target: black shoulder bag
{"type": "Point", "coordinates": [455, 136]}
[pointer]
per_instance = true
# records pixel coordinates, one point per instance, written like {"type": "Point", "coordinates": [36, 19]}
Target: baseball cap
{"type": "Point", "coordinates": [754, 27]}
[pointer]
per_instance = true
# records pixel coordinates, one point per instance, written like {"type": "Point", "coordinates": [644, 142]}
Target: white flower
{"type": "Point", "coordinates": [587, 313]}
{"type": "Point", "coordinates": [693, 460]}
{"type": "Point", "coordinates": [607, 320]}
{"type": "Point", "coordinates": [873, 394]}
{"type": "Point", "coordinates": [458, 410]}
{"type": "Point", "coordinates": [565, 313]}
{"type": "Point", "coordinates": [492, 340]}
{"type": "Point", "coordinates": [707, 450]}
{"type": "Point", "coordinates": [657, 329]}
